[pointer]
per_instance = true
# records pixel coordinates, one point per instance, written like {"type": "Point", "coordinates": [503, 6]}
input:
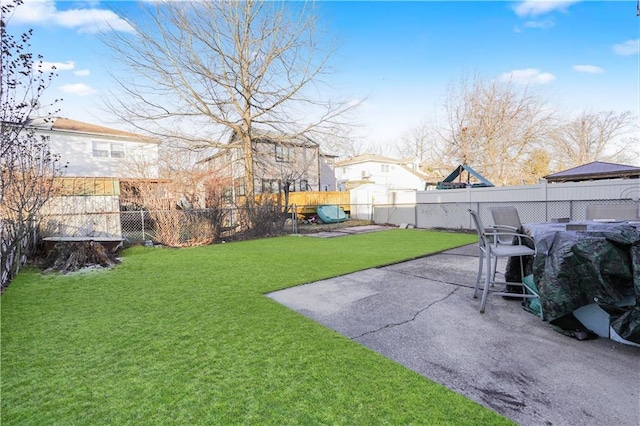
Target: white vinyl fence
{"type": "Point", "coordinates": [535, 203]}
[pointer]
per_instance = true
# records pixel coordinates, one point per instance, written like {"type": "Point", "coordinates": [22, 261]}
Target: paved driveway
{"type": "Point", "coordinates": [421, 314]}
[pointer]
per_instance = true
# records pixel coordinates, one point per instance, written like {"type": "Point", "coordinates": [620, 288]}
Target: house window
{"type": "Point", "coordinates": [240, 190]}
{"type": "Point", "coordinates": [100, 149]}
{"type": "Point", "coordinates": [227, 195]}
{"type": "Point", "coordinates": [290, 187]}
{"type": "Point", "coordinates": [384, 168]}
{"type": "Point", "coordinates": [284, 154]}
{"type": "Point", "coordinates": [106, 149]}
{"type": "Point", "coordinates": [270, 186]}
{"type": "Point", "coordinates": [117, 150]}
{"type": "Point", "coordinates": [304, 185]}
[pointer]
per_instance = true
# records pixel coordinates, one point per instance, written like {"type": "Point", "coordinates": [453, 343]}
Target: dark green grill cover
{"type": "Point", "coordinates": [577, 268]}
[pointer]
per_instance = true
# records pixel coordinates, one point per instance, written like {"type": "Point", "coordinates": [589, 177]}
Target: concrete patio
{"type": "Point", "coordinates": [421, 314]}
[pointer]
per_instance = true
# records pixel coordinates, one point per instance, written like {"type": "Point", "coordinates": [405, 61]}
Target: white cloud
{"type": "Point", "coordinates": [527, 76]}
{"type": "Point", "coordinates": [82, 73]}
{"type": "Point", "coordinates": [92, 20]}
{"type": "Point", "coordinates": [628, 48]}
{"type": "Point", "coordinates": [34, 11]}
{"type": "Point", "coordinates": [542, 7]}
{"type": "Point", "coordinates": [536, 24]}
{"type": "Point", "coordinates": [84, 20]}
{"type": "Point", "coordinates": [79, 89]}
{"type": "Point", "coordinates": [588, 69]}
{"type": "Point", "coordinates": [542, 24]}
{"type": "Point", "coordinates": [58, 66]}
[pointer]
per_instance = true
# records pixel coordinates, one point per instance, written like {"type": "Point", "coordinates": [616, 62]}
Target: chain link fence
{"type": "Point", "coordinates": [179, 227]}
{"type": "Point", "coordinates": [189, 227]}
{"type": "Point", "coordinates": [15, 249]}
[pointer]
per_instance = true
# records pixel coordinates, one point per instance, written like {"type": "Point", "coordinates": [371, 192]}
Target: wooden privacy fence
{"type": "Point", "coordinates": [307, 202]}
{"type": "Point", "coordinates": [87, 186]}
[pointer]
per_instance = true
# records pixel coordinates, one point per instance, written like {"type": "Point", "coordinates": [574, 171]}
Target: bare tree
{"type": "Point", "coordinates": [536, 165]}
{"type": "Point", "coordinates": [418, 142]}
{"type": "Point", "coordinates": [345, 145]}
{"type": "Point", "coordinates": [595, 136]}
{"type": "Point", "coordinates": [354, 146]}
{"type": "Point", "coordinates": [206, 69]}
{"type": "Point", "coordinates": [27, 167]}
{"type": "Point", "coordinates": [493, 126]}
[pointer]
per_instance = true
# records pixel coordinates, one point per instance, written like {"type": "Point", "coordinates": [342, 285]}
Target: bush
{"type": "Point", "coordinates": [182, 228]}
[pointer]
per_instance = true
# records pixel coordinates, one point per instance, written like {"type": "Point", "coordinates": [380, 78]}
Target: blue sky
{"type": "Point", "coordinates": [581, 55]}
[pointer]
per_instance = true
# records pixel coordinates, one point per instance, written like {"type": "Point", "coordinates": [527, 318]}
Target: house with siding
{"type": "Point", "coordinates": [374, 169]}
{"type": "Point", "coordinates": [98, 161]}
{"type": "Point", "coordinates": [89, 150]}
{"type": "Point", "coordinates": [277, 161]}
{"type": "Point", "coordinates": [327, 172]}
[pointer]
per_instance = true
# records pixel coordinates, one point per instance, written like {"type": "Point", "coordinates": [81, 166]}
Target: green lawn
{"type": "Point", "coordinates": [186, 336]}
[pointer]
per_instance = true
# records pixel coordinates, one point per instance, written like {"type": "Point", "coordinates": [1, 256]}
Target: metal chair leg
{"type": "Point", "coordinates": [487, 282]}
{"type": "Point", "coordinates": [480, 264]}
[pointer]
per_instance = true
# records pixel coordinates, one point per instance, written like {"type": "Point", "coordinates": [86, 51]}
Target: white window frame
{"type": "Point", "coordinates": [118, 150]}
{"type": "Point", "coordinates": [102, 149]}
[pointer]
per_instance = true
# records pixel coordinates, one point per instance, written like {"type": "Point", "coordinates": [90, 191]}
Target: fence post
{"type": "Point", "coordinates": [294, 218]}
{"type": "Point", "coordinates": [571, 210]}
{"type": "Point", "coordinates": [142, 221]}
